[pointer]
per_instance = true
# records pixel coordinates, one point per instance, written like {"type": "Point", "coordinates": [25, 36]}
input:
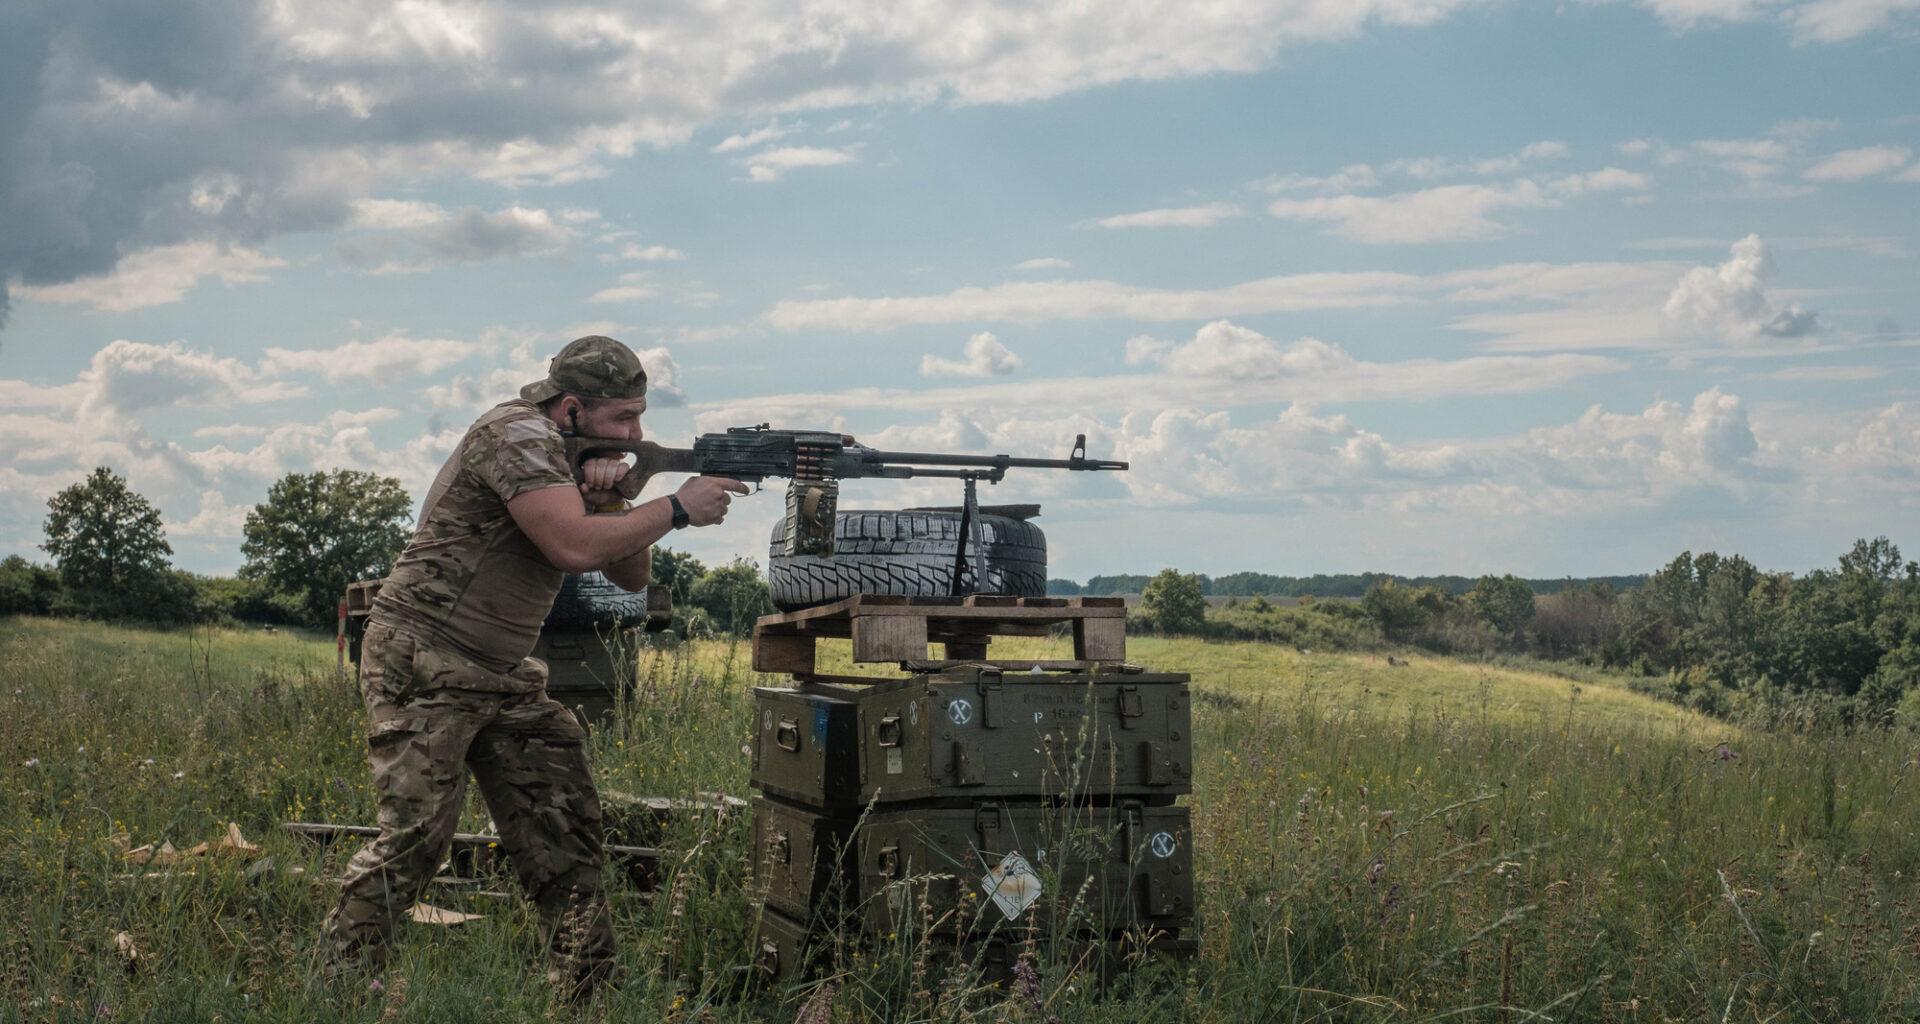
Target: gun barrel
{"type": "Point", "coordinates": [987, 461]}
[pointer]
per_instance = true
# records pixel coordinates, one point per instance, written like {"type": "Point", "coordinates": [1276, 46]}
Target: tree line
{"type": "Point", "coordinates": [1352, 585]}
{"type": "Point", "coordinates": [313, 535]}
{"type": "Point", "coordinates": [1710, 631]}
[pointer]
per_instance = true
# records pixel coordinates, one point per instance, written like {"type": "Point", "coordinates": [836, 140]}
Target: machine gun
{"type": "Point", "coordinates": [815, 461]}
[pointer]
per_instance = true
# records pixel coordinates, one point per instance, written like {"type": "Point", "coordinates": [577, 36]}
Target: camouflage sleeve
{"type": "Point", "coordinates": [522, 454]}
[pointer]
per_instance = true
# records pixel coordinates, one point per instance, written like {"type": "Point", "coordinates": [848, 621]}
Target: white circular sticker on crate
{"type": "Point", "coordinates": [1013, 885]}
{"type": "Point", "coordinates": [961, 711]}
{"type": "Point", "coordinates": [1163, 845]}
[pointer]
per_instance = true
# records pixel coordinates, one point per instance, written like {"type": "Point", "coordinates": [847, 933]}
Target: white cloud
{"type": "Point", "coordinates": [1034, 302]}
{"type": "Point", "coordinates": [984, 356]}
{"type": "Point", "coordinates": [1449, 213]}
{"type": "Point", "coordinates": [215, 519]}
{"type": "Point", "coordinates": [130, 377]}
{"type": "Point", "coordinates": [1223, 365]}
{"type": "Point", "coordinates": [1887, 446]}
{"type": "Point", "coordinates": [412, 237]}
{"type": "Point", "coordinates": [157, 276]}
{"type": "Point", "coordinates": [1592, 304]}
{"type": "Point", "coordinates": [396, 214]}
{"type": "Point", "coordinates": [1857, 164]}
{"type": "Point", "coordinates": [651, 253]}
{"type": "Point", "coordinates": [1607, 179]}
{"type": "Point", "coordinates": [748, 140]}
{"type": "Point", "coordinates": [1730, 302]}
{"type": "Point", "coordinates": [372, 362]}
{"type": "Point", "coordinates": [1685, 14]}
{"type": "Point", "coordinates": [1910, 174]}
{"type": "Point", "coordinates": [1835, 21]}
{"type": "Point", "coordinates": [1828, 373]}
{"type": "Point", "coordinates": [1443, 167]}
{"type": "Point", "coordinates": [1350, 178]}
{"type": "Point", "coordinates": [1180, 217]}
{"type": "Point", "coordinates": [632, 288]}
{"type": "Point", "coordinates": [1044, 263]}
{"type": "Point", "coordinates": [770, 164]}
{"type": "Point", "coordinates": [663, 378]}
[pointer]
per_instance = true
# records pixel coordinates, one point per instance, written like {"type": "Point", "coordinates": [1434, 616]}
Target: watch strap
{"type": "Point", "coordinates": [680, 517]}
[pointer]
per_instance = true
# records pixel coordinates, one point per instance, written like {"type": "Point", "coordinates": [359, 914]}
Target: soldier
{"type": "Point", "coordinates": [444, 668]}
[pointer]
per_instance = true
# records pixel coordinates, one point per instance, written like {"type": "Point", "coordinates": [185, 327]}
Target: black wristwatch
{"type": "Point", "coordinates": [680, 518]}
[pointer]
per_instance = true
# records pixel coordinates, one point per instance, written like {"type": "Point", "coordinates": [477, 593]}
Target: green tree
{"type": "Point", "coordinates": [733, 596]}
{"type": "Point", "coordinates": [1502, 602]}
{"type": "Point", "coordinates": [26, 588]}
{"type": "Point", "coordinates": [112, 551]}
{"type": "Point", "coordinates": [1395, 607]}
{"type": "Point", "coordinates": [678, 572]}
{"type": "Point", "coordinates": [1174, 602]}
{"type": "Point", "coordinates": [318, 532]}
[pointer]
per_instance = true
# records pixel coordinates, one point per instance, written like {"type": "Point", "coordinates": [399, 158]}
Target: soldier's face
{"type": "Point", "coordinates": [615, 418]}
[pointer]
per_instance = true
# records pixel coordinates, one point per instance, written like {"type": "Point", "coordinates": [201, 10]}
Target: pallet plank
{"type": "Point", "coordinates": [889, 638]}
{"type": "Point", "coordinates": [791, 653]}
{"type": "Point", "coordinates": [1100, 639]}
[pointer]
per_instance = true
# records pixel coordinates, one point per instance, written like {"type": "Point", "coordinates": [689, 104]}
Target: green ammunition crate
{"type": "Point", "coordinates": [1006, 865]}
{"type": "Point", "coordinates": [802, 857]}
{"type": "Point", "coordinates": [975, 733]}
{"type": "Point", "coordinates": [784, 949]}
{"type": "Point", "coordinates": [806, 747]}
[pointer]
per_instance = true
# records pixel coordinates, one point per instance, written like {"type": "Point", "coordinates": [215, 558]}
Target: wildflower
{"type": "Point", "coordinates": [180, 774]}
{"type": "Point", "coordinates": [31, 762]}
{"type": "Point", "coordinates": [1721, 753]}
{"type": "Point", "coordinates": [375, 986]}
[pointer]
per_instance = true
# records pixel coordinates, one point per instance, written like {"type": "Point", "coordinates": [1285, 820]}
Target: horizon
{"type": "Point", "coordinates": [1433, 284]}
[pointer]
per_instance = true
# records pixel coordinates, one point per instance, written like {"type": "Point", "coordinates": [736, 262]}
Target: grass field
{"type": "Point", "coordinates": [1442, 841]}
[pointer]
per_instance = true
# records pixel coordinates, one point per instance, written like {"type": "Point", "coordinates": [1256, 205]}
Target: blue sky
{"type": "Point", "coordinates": [1407, 285]}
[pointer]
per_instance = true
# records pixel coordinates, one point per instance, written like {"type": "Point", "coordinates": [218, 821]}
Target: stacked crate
{"type": "Point", "coordinates": [977, 802]}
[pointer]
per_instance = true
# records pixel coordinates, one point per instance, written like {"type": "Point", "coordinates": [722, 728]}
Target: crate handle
{"type": "Point", "coordinates": [787, 735]}
{"type": "Point", "coordinates": [888, 732]}
{"type": "Point", "coordinates": [889, 862]}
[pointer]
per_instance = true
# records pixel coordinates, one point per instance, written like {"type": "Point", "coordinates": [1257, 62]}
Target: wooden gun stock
{"type": "Point", "coordinates": [648, 460]}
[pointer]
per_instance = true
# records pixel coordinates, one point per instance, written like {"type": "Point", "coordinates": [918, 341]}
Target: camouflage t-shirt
{"type": "Point", "coordinates": [470, 585]}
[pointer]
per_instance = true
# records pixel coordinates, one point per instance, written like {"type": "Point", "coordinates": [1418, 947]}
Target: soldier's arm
{"type": "Point", "coordinates": [574, 540]}
{"type": "Point", "coordinates": [633, 572]}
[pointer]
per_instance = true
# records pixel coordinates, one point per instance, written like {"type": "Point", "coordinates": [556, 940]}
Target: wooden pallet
{"type": "Point", "coordinates": [886, 628]}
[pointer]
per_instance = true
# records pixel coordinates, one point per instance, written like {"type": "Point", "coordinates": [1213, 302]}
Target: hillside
{"type": "Point", "coordinates": [1373, 843]}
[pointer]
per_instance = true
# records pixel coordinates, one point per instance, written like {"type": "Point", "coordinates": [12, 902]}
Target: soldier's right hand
{"type": "Point", "coordinates": [706, 498]}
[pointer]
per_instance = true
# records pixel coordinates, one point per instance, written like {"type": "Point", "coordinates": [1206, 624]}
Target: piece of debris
{"type": "Point", "coordinates": [233, 844]}
{"type": "Point", "coordinates": [1397, 662]}
{"type": "Point", "coordinates": [426, 914]}
{"type": "Point", "coordinates": [123, 944]}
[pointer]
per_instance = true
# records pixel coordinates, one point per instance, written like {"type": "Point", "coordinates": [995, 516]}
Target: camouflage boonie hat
{"type": "Point", "coordinates": [591, 367]}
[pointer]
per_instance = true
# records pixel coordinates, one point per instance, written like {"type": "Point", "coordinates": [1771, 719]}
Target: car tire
{"type": "Point", "coordinates": [909, 553]}
{"type": "Point", "coordinates": [590, 601]}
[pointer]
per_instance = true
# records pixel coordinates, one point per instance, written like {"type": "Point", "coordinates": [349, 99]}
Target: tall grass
{"type": "Point", "coordinates": [1372, 843]}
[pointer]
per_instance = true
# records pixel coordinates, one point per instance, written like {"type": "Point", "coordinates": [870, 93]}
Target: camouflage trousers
{"type": "Point", "coordinates": [527, 753]}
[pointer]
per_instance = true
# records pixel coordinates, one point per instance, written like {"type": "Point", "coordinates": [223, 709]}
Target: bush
{"type": "Point", "coordinates": [26, 588]}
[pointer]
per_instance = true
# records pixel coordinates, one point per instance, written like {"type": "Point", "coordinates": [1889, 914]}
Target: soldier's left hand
{"type": "Point", "coordinates": [598, 477]}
